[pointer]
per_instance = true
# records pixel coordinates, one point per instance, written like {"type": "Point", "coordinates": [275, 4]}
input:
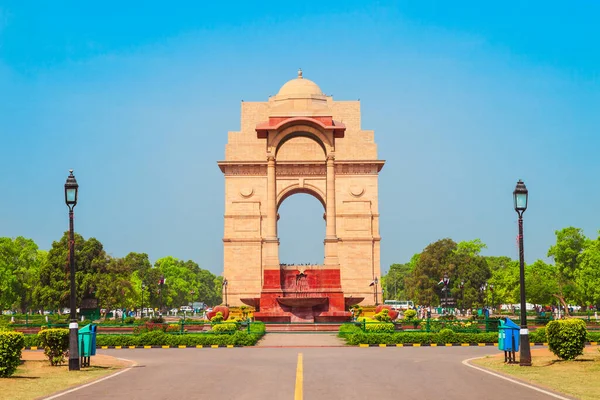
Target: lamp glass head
{"type": "Point", "coordinates": [520, 196]}
{"type": "Point", "coordinates": [71, 189]}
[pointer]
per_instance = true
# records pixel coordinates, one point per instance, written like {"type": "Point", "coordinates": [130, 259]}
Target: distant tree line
{"type": "Point", "coordinates": [34, 279]}
{"type": "Point", "coordinates": [573, 278]}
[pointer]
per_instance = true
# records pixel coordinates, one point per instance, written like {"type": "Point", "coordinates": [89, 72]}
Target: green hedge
{"type": "Point", "coordinates": [419, 338]}
{"type": "Point", "coordinates": [348, 328]}
{"type": "Point", "coordinates": [566, 338]}
{"type": "Point", "coordinates": [224, 328]}
{"type": "Point", "coordinates": [159, 338]}
{"type": "Point", "coordinates": [11, 345]}
{"type": "Point", "coordinates": [55, 343]}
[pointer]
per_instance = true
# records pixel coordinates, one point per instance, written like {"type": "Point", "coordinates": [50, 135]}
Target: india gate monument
{"type": "Point", "coordinates": [301, 141]}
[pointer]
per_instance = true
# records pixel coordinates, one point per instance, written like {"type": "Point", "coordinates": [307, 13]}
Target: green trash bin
{"type": "Point", "coordinates": [501, 335]}
{"type": "Point", "coordinates": [87, 344]}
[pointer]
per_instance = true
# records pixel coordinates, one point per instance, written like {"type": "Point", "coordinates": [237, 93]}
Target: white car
{"type": "Point", "coordinates": [186, 309]}
{"type": "Point", "coordinates": [173, 311]}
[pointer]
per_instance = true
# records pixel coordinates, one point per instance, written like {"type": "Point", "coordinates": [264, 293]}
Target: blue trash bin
{"type": "Point", "coordinates": [512, 335]}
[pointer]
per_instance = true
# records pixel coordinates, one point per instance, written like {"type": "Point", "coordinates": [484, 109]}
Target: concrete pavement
{"type": "Point", "coordinates": [307, 339]}
{"type": "Point", "coordinates": [328, 373]}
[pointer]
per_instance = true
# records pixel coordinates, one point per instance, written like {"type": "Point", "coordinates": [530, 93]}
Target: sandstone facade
{"type": "Point", "coordinates": [301, 141]}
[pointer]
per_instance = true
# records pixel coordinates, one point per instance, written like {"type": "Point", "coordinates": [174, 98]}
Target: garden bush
{"type": "Point", "coordinates": [159, 338]}
{"type": "Point", "coordinates": [11, 345]}
{"type": "Point", "coordinates": [423, 338]}
{"type": "Point", "coordinates": [218, 318]}
{"type": "Point", "coordinates": [55, 343]}
{"type": "Point", "coordinates": [566, 338]}
{"type": "Point", "coordinates": [346, 329]}
{"type": "Point", "coordinates": [224, 328]}
{"type": "Point", "coordinates": [446, 336]}
{"type": "Point", "coordinates": [538, 336]}
{"type": "Point", "coordinates": [258, 328]}
{"type": "Point", "coordinates": [380, 327]}
{"type": "Point", "coordinates": [409, 315]}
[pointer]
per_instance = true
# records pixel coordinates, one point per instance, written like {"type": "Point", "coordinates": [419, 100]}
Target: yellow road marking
{"type": "Point", "coordinates": [464, 344]}
{"type": "Point", "coordinates": [147, 347]}
{"type": "Point", "coordinates": [132, 347]}
{"type": "Point", "coordinates": [166, 347]}
{"type": "Point", "coordinates": [198, 346]}
{"type": "Point", "coordinates": [416, 344]}
{"type": "Point", "coordinates": [382, 345]}
{"type": "Point", "coordinates": [117, 347]}
{"type": "Point", "coordinates": [448, 344]}
{"type": "Point", "coordinates": [399, 344]}
{"type": "Point", "coordinates": [33, 347]}
{"type": "Point", "coordinates": [104, 347]}
{"type": "Point", "coordinates": [363, 345]}
{"type": "Point", "coordinates": [299, 379]}
{"type": "Point", "coordinates": [433, 344]}
{"type": "Point", "coordinates": [480, 344]}
{"type": "Point", "coordinates": [214, 346]}
{"type": "Point", "coordinates": [230, 346]}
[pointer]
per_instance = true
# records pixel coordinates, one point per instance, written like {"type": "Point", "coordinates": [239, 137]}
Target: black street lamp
{"type": "Point", "coordinates": [225, 291]}
{"type": "Point", "coordinates": [160, 291]}
{"type": "Point", "coordinates": [462, 294]}
{"type": "Point", "coordinates": [71, 192]}
{"type": "Point", "coordinates": [374, 284]}
{"type": "Point", "coordinates": [446, 282]}
{"type": "Point", "coordinates": [482, 289]}
{"type": "Point", "coordinates": [142, 310]}
{"type": "Point", "coordinates": [520, 197]}
{"type": "Point", "coordinates": [492, 290]}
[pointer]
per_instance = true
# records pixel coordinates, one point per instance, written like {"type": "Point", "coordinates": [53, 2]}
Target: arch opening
{"type": "Point", "coordinates": [301, 221]}
{"type": "Point", "coordinates": [300, 134]}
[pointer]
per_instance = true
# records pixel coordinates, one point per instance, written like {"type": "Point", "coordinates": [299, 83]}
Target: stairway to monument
{"type": "Point", "coordinates": [302, 327]}
{"type": "Point", "coordinates": [300, 339]}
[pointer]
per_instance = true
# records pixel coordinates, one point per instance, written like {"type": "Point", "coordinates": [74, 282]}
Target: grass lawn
{"type": "Point", "coordinates": [577, 378]}
{"type": "Point", "coordinates": [36, 378]}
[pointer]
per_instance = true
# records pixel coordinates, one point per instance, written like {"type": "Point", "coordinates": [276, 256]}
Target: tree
{"type": "Point", "coordinates": [587, 276]}
{"type": "Point", "coordinates": [20, 262]}
{"type": "Point", "coordinates": [434, 261]}
{"type": "Point", "coordinates": [570, 243]}
{"type": "Point", "coordinates": [540, 282]}
{"type": "Point", "coordinates": [394, 280]}
{"type": "Point", "coordinates": [90, 257]}
{"type": "Point", "coordinates": [471, 268]}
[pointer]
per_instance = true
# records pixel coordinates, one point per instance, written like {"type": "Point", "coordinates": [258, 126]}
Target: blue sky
{"type": "Point", "coordinates": [465, 99]}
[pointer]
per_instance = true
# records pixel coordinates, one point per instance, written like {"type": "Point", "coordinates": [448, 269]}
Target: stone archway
{"type": "Point", "coordinates": [293, 143]}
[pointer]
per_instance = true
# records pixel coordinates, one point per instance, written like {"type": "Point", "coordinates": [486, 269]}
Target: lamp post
{"type": "Point", "coordinates": [225, 283]}
{"type": "Point", "coordinates": [162, 284]}
{"type": "Point", "coordinates": [462, 294]}
{"type": "Point", "coordinates": [71, 192]}
{"type": "Point", "coordinates": [142, 310]}
{"type": "Point", "coordinates": [492, 291]}
{"type": "Point", "coordinates": [482, 289]}
{"type": "Point", "coordinates": [520, 197]}
{"type": "Point", "coordinates": [375, 282]}
{"type": "Point", "coordinates": [446, 282]}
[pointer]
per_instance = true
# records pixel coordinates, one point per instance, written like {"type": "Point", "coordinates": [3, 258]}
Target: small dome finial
{"type": "Point", "coordinates": [299, 73]}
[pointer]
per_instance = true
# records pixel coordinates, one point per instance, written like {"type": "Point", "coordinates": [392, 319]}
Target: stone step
{"type": "Point", "coordinates": [299, 327]}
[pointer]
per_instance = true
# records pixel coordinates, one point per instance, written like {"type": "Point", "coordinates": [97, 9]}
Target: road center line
{"type": "Point", "coordinates": [468, 364]}
{"type": "Point", "coordinates": [299, 379]}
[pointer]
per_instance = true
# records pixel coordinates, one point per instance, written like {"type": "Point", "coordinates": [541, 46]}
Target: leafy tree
{"type": "Point", "coordinates": [394, 280]}
{"type": "Point", "coordinates": [570, 243]}
{"type": "Point", "coordinates": [587, 276]}
{"type": "Point", "coordinates": [472, 269]}
{"type": "Point", "coordinates": [434, 261]}
{"type": "Point", "coordinates": [505, 278]}
{"type": "Point", "coordinates": [54, 290]}
{"type": "Point", "coordinates": [540, 282]}
{"type": "Point", "coordinates": [20, 262]}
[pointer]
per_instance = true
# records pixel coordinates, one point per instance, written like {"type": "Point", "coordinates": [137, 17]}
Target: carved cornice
{"type": "Point", "coordinates": [295, 168]}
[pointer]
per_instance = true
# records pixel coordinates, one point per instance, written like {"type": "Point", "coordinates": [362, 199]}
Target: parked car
{"type": "Point", "coordinates": [186, 309]}
{"type": "Point", "coordinates": [173, 310]}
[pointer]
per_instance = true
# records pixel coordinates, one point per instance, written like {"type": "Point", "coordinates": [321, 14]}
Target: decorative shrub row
{"type": "Point", "coordinates": [420, 337]}
{"type": "Point", "coordinates": [159, 338]}
{"type": "Point", "coordinates": [11, 345]}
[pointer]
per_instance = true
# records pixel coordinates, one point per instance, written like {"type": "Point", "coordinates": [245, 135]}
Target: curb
{"type": "Point", "coordinates": [199, 346]}
{"type": "Point", "coordinates": [452, 344]}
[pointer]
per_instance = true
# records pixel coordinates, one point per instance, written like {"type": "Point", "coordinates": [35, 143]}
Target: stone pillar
{"type": "Point", "coordinates": [271, 199]}
{"type": "Point", "coordinates": [331, 240]}
{"type": "Point", "coordinates": [271, 241]}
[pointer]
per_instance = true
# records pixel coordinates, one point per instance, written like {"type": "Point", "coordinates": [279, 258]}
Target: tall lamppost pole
{"type": "Point", "coordinates": [462, 294]}
{"type": "Point", "coordinates": [376, 282]}
{"type": "Point", "coordinates": [520, 197]}
{"type": "Point", "coordinates": [492, 290]}
{"type": "Point", "coordinates": [446, 282]}
{"type": "Point", "coordinates": [225, 283]}
{"type": "Point", "coordinates": [142, 310]}
{"type": "Point", "coordinates": [71, 191]}
{"type": "Point", "coordinates": [162, 284]}
{"type": "Point", "coordinates": [482, 289]}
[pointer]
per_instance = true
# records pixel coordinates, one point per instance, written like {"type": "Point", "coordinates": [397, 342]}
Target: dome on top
{"type": "Point", "coordinates": [300, 87]}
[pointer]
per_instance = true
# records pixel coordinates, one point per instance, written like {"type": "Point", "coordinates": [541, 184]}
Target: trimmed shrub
{"type": "Point", "coordinates": [11, 345]}
{"type": "Point", "coordinates": [32, 340]}
{"type": "Point", "coordinates": [383, 316]}
{"type": "Point", "coordinates": [446, 336]}
{"type": "Point", "coordinates": [218, 318]}
{"type": "Point", "coordinates": [380, 328]}
{"type": "Point", "coordinates": [258, 328]}
{"type": "Point", "coordinates": [409, 315]}
{"type": "Point", "coordinates": [159, 338]}
{"type": "Point", "coordinates": [55, 343]}
{"type": "Point", "coordinates": [346, 329]}
{"type": "Point", "coordinates": [224, 328]}
{"type": "Point", "coordinates": [566, 338]}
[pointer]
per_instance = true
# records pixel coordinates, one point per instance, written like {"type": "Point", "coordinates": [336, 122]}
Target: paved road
{"type": "Point", "coordinates": [329, 373]}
